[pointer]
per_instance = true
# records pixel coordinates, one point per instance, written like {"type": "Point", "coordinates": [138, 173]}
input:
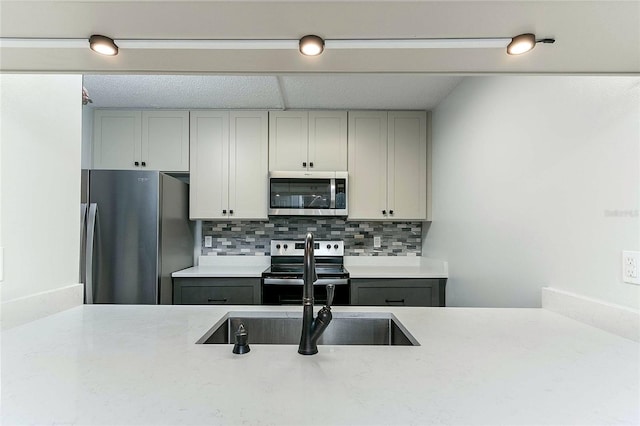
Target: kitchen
{"type": "Point", "coordinates": [492, 226]}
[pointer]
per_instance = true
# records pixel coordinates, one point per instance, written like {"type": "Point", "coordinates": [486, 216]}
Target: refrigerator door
{"type": "Point", "coordinates": [83, 241]}
{"type": "Point", "coordinates": [88, 246]}
{"type": "Point", "coordinates": [84, 211]}
{"type": "Point", "coordinates": [176, 233]}
{"type": "Point", "coordinates": [125, 258]}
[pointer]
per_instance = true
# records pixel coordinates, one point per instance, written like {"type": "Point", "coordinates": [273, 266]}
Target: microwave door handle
{"type": "Point", "coordinates": [332, 203]}
{"type": "Point", "coordinates": [91, 226]}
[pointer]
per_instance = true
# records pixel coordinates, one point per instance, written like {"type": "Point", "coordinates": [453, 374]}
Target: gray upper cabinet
{"type": "Point", "coordinates": [117, 139]}
{"type": "Point", "coordinates": [388, 165]}
{"type": "Point", "coordinates": [141, 140]}
{"type": "Point", "coordinates": [229, 155]}
{"type": "Point", "coordinates": [308, 140]}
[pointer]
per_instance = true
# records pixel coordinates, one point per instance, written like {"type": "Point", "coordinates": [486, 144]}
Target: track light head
{"type": "Point", "coordinates": [103, 45]}
{"type": "Point", "coordinates": [311, 45]}
{"type": "Point", "coordinates": [521, 44]}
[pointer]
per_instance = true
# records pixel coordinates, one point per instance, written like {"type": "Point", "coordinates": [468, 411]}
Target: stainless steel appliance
{"type": "Point", "coordinates": [308, 193]}
{"type": "Point", "coordinates": [282, 282]}
{"type": "Point", "coordinates": [136, 232]}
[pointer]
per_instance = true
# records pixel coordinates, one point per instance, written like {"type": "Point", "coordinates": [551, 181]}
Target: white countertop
{"type": "Point", "coordinates": [226, 266]}
{"type": "Point", "coordinates": [395, 267]}
{"type": "Point", "coordinates": [358, 267]}
{"type": "Point", "coordinates": [124, 365]}
{"type": "Point", "coordinates": [210, 271]}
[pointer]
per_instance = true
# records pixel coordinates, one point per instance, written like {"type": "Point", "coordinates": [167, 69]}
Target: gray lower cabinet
{"type": "Point", "coordinates": [216, 291]}
{"type": "Point", "coordinates": [398, 291]}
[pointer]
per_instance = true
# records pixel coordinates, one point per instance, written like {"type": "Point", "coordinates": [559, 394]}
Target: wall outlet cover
{"type": "Point", "coordinates": [377, 242]}
{"type": "Point", "coordinates": [208, 241]}
{"type": "Point", "coordinates": [630, 266]}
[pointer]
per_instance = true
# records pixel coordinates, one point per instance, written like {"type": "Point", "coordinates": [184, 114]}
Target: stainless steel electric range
{"type": "Point", "coordinates": [282, 281]}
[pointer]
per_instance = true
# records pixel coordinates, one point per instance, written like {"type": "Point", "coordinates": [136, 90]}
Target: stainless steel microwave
{"type": "Point", "coordinates": [308, 193]}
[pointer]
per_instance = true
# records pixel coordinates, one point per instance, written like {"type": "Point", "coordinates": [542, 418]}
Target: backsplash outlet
{"type": "Point", "coordinates": [252, 238]}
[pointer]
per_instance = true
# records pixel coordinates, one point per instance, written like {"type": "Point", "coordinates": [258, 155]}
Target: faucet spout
{"type": "Point", "coordinates": [309, 275]}
{"type": "Point", "coordinates": [312, 329]}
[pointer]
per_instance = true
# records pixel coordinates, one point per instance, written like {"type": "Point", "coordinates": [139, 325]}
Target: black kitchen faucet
{"type": "Point", "coordinates": [312, 329]}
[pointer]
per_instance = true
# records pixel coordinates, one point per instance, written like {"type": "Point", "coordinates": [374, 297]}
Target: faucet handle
{"type": "Point", "coordinates": [331, 288]}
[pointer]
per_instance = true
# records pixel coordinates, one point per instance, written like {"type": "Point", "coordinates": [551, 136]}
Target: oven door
{"type": "Point", "coordinates": [277, 291]}
{"type": "Point", "coordinates": [307, 194]}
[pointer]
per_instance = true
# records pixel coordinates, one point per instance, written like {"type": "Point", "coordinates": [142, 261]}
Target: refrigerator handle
{"type": "Point", "coordinates": [91, 227]}
{"type": "Point", "coordinates": [83, 228]}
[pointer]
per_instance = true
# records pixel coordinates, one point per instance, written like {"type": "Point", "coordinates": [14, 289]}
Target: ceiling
{"type": "Point", "coordinates": [591, 36]}
{"type": "Point", "coordinates": [308, 91]}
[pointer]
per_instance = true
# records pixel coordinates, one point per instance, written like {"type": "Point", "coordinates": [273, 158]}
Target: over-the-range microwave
{"type": "Point", "coordinates": [308, 193]}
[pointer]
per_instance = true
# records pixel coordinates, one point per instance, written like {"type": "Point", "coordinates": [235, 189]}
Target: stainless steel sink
{"type": "Point", "coordinates": [283, 328]}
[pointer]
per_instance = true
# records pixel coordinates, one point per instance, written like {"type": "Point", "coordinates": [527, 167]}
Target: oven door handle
{"type": "Point", "coordinates": [282, 281]}
{"type": "Point", "coordinates": [290, 281]}
{"type": "Point", "coordinates": [335, 281]}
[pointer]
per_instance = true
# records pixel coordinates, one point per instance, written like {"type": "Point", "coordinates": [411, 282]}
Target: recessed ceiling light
{"type": "Point", "coordinates": [103, 45]}
{"type": "Point", "coordinates": [311, 45]}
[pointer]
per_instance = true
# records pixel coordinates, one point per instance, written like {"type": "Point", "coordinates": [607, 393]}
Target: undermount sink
{"type": "Point", "coordinates": [284, 328]}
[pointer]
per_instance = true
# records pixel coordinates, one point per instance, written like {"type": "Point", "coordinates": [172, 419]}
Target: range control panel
{"type": "Point", "coordinates": [296, 248]}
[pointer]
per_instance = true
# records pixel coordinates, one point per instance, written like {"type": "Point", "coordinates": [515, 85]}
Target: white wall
{"type": "Point", "coordinates": [536, 182]}
{"type": "Point", "coordinates": [40, 169]}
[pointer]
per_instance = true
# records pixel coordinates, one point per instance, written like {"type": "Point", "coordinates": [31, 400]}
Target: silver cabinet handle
{"type": "Point", "coordinates": [91, 226]}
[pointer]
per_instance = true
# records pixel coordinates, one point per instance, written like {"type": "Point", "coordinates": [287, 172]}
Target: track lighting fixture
{"type": "Point", "coordinates": [309, 45]}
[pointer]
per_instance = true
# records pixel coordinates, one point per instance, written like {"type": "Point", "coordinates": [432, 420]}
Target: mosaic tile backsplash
{"type": "Point", "coordinates": [253, 238]}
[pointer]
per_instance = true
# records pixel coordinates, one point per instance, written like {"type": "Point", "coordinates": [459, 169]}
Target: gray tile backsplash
{"type": "Point", "coordinates": [252, 238]}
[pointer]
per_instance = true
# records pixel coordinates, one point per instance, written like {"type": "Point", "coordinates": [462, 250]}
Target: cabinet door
{"type": "Point", "coordinates": [327, 140]}
{"type": "Point", "coordinates": [288, 136]}
{"type": "Point", "coordinates": [407, 165]}
{"type": "Point", "coordinates": [165, 140]}
{"type": "Point", "coordinates": [248, 164]}
{"type": "Point", "coordinates": [116, 139]}
{"type": "Point", "coordinates": [367, 164]}
{"type": "Point", "coordinates": [209, 164]}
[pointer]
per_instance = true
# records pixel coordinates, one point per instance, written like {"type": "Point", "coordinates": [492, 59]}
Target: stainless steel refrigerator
{"type": "Point", "coordinates": [135, 232]}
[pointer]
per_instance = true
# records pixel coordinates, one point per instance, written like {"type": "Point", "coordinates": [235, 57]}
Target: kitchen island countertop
{"type": "Point", "coordinates": [124, 364]}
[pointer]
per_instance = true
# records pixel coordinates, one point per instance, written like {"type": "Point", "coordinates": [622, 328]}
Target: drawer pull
{"type": "Point", "coordinates": [394, 301]}
{"type": "Point", "coordinates": [217, 300]}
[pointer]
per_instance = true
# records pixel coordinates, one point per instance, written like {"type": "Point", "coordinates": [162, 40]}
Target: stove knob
{"type": "Point", "coordinates": [285, 246]}
{"type": "Point", "coordinates": [328, 246]}
{"type": "Point", "coordinates": [335, 247]}
{"type": "Point", "coordinates": [278, 246]}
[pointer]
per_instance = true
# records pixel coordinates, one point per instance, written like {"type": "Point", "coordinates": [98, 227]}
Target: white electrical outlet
{"type": "Point", "coordinates": [630, 265]}
{"type": "Point", "coordinates": [208, 241]}
{"type": "Point", "coordinates": [377, 242]}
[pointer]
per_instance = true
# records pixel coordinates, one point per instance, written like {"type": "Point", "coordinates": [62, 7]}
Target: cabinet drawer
{"type": "Point", "coordinates": [398, 292]}
{"type": "Point", "coordinates": [395, 296]}
{"type": "Point", "coordinates": [216, 291]}
{"type": "Point", "coordinates": [216, 295]}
